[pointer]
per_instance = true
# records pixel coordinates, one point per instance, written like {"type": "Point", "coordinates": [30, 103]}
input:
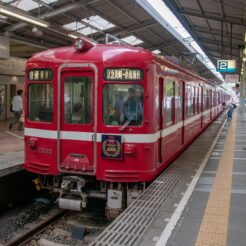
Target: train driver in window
{"type": "Point", "coordinates": [132, 110]}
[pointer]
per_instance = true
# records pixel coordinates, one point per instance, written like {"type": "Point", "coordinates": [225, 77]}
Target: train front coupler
{"type": "Point", "coordinates": [71, 195]}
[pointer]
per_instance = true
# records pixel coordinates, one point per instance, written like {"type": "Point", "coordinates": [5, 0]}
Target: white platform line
{"type": "Point", "coordinates": [166, 234]}
{"type": "Point", "coordinates": [234, 173]}
{"type": "Point", "coordinates": [235, 150]}
{"type": "Point", "coordinates": [215, 158]}
{"type": "Point", "coordinates": [15, 135]}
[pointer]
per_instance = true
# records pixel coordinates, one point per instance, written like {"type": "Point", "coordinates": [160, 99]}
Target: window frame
{"type": "Point", "coordinates": [172, 122]}
{"type": "Point", "coordinates": [92, 101]}
{"type": "Point", "coordinates": [120, 82]}
{"type": "Point", "coordinates": [28, 101]}
{"type": "Point", "coordinates": [191, 99]}
{"type": "Point", "coordinates": [178, 85]}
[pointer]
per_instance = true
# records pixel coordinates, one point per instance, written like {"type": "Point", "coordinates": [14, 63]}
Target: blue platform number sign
{"type": "Point", "coordinates": [226, 66]}
{"type": "Point", "coordinates": [111, 147]}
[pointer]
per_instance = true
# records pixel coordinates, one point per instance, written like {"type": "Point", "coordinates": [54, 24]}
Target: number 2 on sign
{"type": "Point", "coordinates": [223, 65]}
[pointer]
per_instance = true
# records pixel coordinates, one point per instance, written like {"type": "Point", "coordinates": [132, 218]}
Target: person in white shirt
{"type": "Point", "coordinates": [18, 110]}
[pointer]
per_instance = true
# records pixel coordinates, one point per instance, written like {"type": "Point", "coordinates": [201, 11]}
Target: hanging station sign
{"type": "Point", "coordinates": [226, 66]}
{"type": "Point", "coordinates": [232, 78]}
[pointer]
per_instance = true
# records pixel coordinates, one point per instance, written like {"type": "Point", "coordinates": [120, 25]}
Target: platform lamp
{"type": "Point", "coordinates": [12, 12]}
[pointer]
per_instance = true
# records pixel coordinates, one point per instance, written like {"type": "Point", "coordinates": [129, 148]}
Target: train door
{"type": "Point", "coordinates": [77, 120]}
{"type": "Point", "coordinates": [3, 101]}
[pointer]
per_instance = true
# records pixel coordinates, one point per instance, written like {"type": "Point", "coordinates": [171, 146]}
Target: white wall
{"type": "Point", "coordinates": [12, 72]}
{"type": "Point", "coordinates": [8, 80]}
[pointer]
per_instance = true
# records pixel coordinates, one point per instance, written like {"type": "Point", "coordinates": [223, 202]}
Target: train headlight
{"type": "Point", "coordinates": [33, 142]}
{"type": "Point", "coordinates": [81, 44]}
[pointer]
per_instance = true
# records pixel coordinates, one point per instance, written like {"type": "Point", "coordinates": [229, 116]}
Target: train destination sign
{"type": "Point", "coordinates": [226, 66]}
{"type": "Point", "coordinates": [40, 74]}
{"type": "Point", "coordinates": [123, 74]}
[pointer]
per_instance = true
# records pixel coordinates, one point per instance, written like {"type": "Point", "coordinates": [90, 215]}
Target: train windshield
{"type": "Point", "coordinates": [40, 106]}
{"type": "Point", "coordinates": [123, 104]}
{"type": "Point", "coordinates": [78, 100]}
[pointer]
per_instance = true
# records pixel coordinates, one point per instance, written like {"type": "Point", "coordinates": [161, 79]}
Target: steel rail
{"type": "Point", "coordinates": [27, 236]}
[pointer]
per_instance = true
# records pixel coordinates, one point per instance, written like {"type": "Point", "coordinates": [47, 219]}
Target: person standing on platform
{"type": "Point", "coordinates": [18, 110]}
{"type": "Point", "coordinates": [231, 107]}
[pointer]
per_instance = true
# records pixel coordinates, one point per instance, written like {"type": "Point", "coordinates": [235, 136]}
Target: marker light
{"type": "Point", "coordinates": [130, 150]}
{"type": "Point", "coordinates": [81, 44]}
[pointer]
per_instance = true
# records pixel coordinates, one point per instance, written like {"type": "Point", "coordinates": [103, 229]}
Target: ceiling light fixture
{"type": "Point", "coordinates": [72, 35]}
{"type": "Point", "coordinates": [22, 16]}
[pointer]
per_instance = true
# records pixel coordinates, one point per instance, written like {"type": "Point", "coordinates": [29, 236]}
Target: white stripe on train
{"type": "Point", "coordinates": [129, 138]}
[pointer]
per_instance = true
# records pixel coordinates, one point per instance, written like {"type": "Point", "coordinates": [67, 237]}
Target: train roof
{"type": "Point", "coordinates": [99, 53]}
{"type": "Point", "coordinates": [109, 55]}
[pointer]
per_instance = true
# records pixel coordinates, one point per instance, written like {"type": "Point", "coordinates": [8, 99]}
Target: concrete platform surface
{"type": "Point", "coordinates": [11, 149]}
{"type": "Point", "coordinates": [188, 228]}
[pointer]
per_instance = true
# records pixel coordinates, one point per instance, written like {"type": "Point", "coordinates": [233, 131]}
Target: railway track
{"type": "Point", "coordinates": [57, 227]}
{"type": "Point", "coordinates": [37, 229]}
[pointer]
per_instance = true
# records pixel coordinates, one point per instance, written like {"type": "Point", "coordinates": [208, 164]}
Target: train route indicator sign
{"type": "Point", "coordinates": [226, 66]}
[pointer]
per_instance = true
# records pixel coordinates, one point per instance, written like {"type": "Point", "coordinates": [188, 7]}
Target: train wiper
{"type": "Point", "coordinates": [122, 128]}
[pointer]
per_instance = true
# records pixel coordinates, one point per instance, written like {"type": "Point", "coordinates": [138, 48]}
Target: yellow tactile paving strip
{"type": "Point", "coordinates": [214, 227]}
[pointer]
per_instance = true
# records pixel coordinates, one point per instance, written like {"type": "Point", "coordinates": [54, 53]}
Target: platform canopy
{"type": "Point", "coordinates": [55, 23]}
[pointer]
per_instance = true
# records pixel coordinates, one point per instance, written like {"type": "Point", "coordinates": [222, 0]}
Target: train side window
{"type": "Point", "coordinates": [169, 101]}
{"type": "Point", "coordinates": [204, 98]}
{"type": "Point", "coordinates": [194, 100]}
{"type": "Point", "coordinates": [197, 100]}
{"type": "Point", "coordinates": [213, 98]}
{"type": "Point", "coordinates": [200, 99]}
{"type": "Point", "coordinates": [207, 99]}
{"type": "Point", "coordinates": [179, 101]}
{"type": "Point", "coordinates": [40, 103]}
{"type": "Point", "coordinates": [123, 103]}
{"type": "Point", "coordinates": [189, 101]}
{"type": "Point", "coordinates": [78, 100]}
{"type": "Point", "coordinates": [210, 98]}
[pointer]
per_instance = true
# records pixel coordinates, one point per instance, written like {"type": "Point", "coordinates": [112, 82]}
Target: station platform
{"type": "Point", "coordinates": [11, 149]}
{"type": "Point", "coordinates": [200, 199]}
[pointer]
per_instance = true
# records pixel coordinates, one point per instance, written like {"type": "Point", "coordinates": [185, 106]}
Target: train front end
{"type": "Point", "coordinates": [87, 129]}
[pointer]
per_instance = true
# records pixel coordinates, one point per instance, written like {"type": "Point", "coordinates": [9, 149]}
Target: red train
{"type": "Point", "coordinates": [103, 120]}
